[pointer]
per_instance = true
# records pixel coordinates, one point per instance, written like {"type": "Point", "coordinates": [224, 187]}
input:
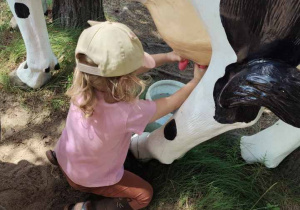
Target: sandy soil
{"type": "Point", "coordinates": [27, 180]}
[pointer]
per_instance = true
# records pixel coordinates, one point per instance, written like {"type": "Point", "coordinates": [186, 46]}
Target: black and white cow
{"type": "Point", "coordinates": [256, 48]}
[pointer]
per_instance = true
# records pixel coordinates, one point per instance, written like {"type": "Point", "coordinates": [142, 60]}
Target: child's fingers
{"type": "Point", "coordinates": [180, 59]}
{"type": "Point", "coordinates": [177, 57]}
{"type": "Point", "coordinates": [199, 71]}
{"type": "Point", "coordinates": [203, 67]}
{"type": "Point", "coordinates": [198, 67]}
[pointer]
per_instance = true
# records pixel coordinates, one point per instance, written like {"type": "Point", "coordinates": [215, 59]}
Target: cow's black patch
{"type": "Point", "coordinates": [47, 70]}
{"type": "Point", "coordinates": [57, 66]}
{"type": "Point", "coordinates": [170, 130]}
{"type": "Point", "coordinates": [22, 11]}
{"type": "Point", "coordinates": [265, 36]}
{"type": "Point", "coordinates": [266, 83]}
{"type": "Point", "coordinates": [263, 29]}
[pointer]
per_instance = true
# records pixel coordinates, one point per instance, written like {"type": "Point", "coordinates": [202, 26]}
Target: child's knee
{"type": "Point", "coordinates": [146, 195]}
{"type": "Point", "coordinates": [149, 192]}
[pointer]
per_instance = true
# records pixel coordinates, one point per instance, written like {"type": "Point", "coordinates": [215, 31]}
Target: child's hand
{"type": "Point", "coordinates": [199, 72]}
{"type": "Point", "coordinates": [173, 57]}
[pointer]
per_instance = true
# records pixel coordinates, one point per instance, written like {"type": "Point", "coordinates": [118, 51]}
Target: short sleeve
{"type": "Point", "coordinates": [140, 115]}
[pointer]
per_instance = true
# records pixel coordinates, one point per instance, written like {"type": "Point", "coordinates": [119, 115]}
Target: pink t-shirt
{"type": "Point", "coordinates": [91, 151]}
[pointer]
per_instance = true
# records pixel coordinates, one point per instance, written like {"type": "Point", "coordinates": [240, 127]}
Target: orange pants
{"type": "Point", "coordinates": [138, 192]}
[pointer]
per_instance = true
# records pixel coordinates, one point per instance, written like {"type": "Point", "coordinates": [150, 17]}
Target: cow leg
{"type": "Point", "coordinates": [35, 71]}
{"type": "Point", "coordinates": [13, 22]}
{"type": "Point", "coordinates": [271, 145]}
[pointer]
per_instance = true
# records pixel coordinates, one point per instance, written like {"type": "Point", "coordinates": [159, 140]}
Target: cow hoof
{"type": "Point", "coordinates": [16, 82]}
{"type": "Point", "coordinates": [13, 23]}
{"type": "Point", "coordinates": [137, 147]}
{"type": "Point", "coordinates": [57, 66]}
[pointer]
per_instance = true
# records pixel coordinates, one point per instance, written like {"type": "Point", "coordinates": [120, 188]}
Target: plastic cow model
{"type": "Point", "coordinates": [255, 51]}
{"type": "Point", "coordinates": [35, 71]}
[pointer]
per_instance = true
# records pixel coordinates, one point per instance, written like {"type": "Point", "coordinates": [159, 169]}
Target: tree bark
{"type": "Point", "coordinates": [76, 13]}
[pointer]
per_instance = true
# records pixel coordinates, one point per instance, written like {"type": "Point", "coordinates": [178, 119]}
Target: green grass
{"type": "Point", "coordinates": [49, 3]}
{"type": "Point", "coordinates": [213, 176]}
{"type": "Point", "coordinates": [63, 43]}
{"type": "Point", "coordinates": [5, 16]}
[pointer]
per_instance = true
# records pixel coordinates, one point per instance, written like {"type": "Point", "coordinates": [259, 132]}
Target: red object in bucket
{"type": "Point", "coordinates": [183, 64]}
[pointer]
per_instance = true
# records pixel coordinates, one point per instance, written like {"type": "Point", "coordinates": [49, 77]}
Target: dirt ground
{"type": "Point", "coordinates": [27, 180]}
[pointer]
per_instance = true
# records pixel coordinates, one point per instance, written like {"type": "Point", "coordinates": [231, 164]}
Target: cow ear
{"type": "Point", "coordinates": [92, 22]}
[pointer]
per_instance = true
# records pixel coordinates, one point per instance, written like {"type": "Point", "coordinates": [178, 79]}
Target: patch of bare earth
{"type": "Point", "coordinates": [27, 180]}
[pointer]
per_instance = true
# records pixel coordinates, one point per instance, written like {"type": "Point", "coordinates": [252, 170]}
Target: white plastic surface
{"type": "Point", "coordinates": [271, 145]}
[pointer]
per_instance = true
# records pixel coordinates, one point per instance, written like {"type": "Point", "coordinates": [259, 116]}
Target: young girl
{"type": "Point", "coordinates": [105, 112]}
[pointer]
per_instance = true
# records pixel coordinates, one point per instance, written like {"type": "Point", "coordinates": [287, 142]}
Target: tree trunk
{"type": "Point", "coordinates": [76, 13]}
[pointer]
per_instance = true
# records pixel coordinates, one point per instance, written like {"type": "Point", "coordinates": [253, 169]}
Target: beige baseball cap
{"type": "Point", "coordinates": [114, 48]}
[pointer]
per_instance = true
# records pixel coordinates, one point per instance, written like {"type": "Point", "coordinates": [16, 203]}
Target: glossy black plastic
{"type": "Point", "coordinates": [265, 34]}
{"type": "Point", "coordinates": [270, 84]}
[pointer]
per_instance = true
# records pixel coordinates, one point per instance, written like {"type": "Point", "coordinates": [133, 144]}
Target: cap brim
{"type": "Point", "coordinates": [149, 62]}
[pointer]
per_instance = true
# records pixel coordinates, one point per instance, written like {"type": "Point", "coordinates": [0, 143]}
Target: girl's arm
{"type": "Point", "coordinates": [169, 104]}
{"type": "Point", "coordinates": [161, 59]}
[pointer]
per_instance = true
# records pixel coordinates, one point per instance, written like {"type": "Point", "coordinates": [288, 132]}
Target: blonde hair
{"type": "Point", "coordinates": [115, 89]}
